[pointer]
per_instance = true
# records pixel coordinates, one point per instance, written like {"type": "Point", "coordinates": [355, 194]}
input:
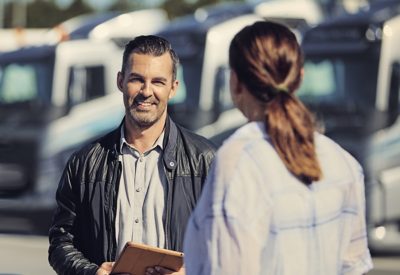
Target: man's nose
{"type": "Point", "coordinates": [146, 90]}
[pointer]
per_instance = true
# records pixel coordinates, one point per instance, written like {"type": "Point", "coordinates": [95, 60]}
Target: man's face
{"type": "Point", "coordinates": [147, 86]}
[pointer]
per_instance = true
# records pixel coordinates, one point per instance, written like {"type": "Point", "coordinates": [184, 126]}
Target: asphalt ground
{"type": "Point", "coordinates": [27, 255]}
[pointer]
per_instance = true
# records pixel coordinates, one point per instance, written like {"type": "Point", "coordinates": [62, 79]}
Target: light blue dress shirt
{"type": "Point", "coordinates": [254, 217]}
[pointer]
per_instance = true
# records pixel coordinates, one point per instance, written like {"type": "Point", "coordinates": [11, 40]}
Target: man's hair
{"type": "Point", "coordinates": [150, 45]}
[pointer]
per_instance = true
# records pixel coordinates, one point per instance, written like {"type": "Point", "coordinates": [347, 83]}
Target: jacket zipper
{"type": "Point", "coordinates": [113, 193]}
{"type": "Point", "coordinates": [168, 210]}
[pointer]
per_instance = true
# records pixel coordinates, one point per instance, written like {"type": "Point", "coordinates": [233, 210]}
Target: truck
{"type": "Point", "coordinates": [53, 99]}
{"type": "Point", "coordinates": [203, 103]}
{"type": "Point", "coordinates": [352, 84]}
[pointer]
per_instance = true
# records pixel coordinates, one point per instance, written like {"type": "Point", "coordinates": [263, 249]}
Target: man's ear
{"type": "Point", "coordinates": [174, 88]}
{"type": "Point", "coordinates": [120, 81]}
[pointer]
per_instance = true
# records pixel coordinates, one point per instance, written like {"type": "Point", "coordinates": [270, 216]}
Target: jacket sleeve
{"type": "Point", "coordinates": [64, 257]}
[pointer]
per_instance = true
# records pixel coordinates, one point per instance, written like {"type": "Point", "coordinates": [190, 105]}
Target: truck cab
{"type": "Point", "coordinates": [352, 83]}
{"type": "Point", "coordinates": [53, 99]}
{"type": "Point", "coordinates": [202, 52]}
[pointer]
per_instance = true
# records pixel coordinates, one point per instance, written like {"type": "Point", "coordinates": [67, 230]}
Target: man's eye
{"type": "Point", "coordinates": [135, 80]}
{"type": "Point", "coordinates": [159, 83]}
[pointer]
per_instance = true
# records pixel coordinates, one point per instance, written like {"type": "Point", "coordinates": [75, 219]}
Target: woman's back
{"type": "Point", "coordinates": [281, 199]}
{"type": "Point", "coordinates": [275, 223]}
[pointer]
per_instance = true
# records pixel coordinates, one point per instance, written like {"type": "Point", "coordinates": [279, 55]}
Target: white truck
{"type": "Point", "coordinates": [53, 99]}
{"type": "Point", "coordinates": [352, 82]}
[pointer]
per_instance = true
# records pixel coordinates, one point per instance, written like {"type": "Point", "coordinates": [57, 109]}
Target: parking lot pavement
{"type": "Point", "coordinates": [24, 255]}
{"type": "Point", "coordinates": [27, 255]}
{"type": "Point", "coordinates": [386, 265]}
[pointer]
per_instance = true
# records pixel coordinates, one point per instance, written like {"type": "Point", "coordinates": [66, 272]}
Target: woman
{"type": "Point", "coordinates": [281, 198]}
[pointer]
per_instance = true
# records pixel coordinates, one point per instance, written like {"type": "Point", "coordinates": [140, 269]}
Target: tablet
{"type": "Point", "coordinates": [136, 258]}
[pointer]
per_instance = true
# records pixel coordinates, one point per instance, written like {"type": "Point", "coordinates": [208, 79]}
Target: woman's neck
{"type": "Point", "coordinates": [253, 109]}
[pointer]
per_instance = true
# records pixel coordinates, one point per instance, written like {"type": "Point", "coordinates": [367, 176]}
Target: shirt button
{"type": "Point", "coordinates": [141, 159]}
{"type": "Point", "coordinates": [136, 220]}
{"type": "Point", "coordinates": [138, 189]}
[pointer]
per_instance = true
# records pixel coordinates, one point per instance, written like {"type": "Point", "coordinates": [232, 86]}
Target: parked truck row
{"type": "Point", "coordinates": [56, 97]}
{"type": "Point", "coordinates": [60, 95]}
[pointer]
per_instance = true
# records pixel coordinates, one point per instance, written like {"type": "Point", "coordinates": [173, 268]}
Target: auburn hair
{"type": "Point", "coordinates": [268, 60]}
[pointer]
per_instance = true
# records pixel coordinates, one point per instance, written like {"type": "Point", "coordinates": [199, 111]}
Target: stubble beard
{"type": "Point", "coordinates": [142, 119]}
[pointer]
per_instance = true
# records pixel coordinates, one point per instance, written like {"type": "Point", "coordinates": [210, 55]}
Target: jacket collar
{"type": "Point", "coordinates": [169, 143]}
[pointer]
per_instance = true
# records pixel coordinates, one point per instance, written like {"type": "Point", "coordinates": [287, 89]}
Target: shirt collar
{"type": "Point", "coordinates": [124, 142]}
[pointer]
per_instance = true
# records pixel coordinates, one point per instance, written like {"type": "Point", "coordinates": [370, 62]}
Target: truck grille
{"type": "Point", "coordinates": [16, 164]}
{"type": "Point", "coordinates": [12, 179]}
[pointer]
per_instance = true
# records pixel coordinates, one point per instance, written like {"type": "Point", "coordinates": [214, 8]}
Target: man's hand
{"type": "Point", "coordinates": [158, 270]}
{"type": "Point", "coordinates": [105, 269]}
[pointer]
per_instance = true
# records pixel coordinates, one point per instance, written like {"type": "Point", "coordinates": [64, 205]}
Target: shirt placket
{"type": "Point", "coordinates": [139, 186]}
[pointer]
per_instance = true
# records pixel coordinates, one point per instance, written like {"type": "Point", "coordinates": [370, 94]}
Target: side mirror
{"type": "Point", "coordinates": [393, 100]}
{"type": "Point", "coordinates": [222, 94]}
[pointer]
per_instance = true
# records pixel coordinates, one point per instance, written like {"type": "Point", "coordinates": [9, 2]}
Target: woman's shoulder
{"type": "Point", "coordinates": [248, 132]}
{"type": "Point", "coordinates": [243, 146]}
{"type": "Point", "coordinates": [331, 154]}
{"type": "Point", "coordinates": [325, 144]}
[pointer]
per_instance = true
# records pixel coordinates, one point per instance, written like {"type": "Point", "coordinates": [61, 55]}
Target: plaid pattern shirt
{"type": "Point", "coordinates": [255, 217]}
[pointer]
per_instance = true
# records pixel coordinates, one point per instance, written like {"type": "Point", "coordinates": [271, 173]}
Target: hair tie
{"type": "Point", "coordinates": [281, 89]}
{"type": "Point", "coordinates": [270, 95]}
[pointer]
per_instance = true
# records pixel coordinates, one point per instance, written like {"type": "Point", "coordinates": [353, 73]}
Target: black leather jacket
{"type": "Point", "coordinates": [82, 235]}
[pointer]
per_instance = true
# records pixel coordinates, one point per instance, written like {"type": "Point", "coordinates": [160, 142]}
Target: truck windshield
{"type": "Point", "coordinates": [28, 82]}
{"type": "Point", "coordinates": [189, 45]}
{"type": "Point", "coordinates": [345, 82]}
{"type": "Point", "coordinates": [26, 76]}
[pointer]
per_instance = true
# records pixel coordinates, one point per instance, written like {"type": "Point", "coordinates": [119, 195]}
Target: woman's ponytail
{"type": "Point", "coordinates": [268, 60]}
{"type": "Point", "coordinates": [290, 127]}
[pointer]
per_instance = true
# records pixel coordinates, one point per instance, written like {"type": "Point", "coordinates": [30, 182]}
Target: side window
{"type": "Point", "coordinates": [18, 83]}
{"type": "Point", "coordinates": [394, 90]}
{"type": "Point", "coordinates": [85, 84]}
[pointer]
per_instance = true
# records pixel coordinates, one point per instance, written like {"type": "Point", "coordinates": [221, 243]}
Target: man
{"type": "Point", "coordinates": [138, 183]}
